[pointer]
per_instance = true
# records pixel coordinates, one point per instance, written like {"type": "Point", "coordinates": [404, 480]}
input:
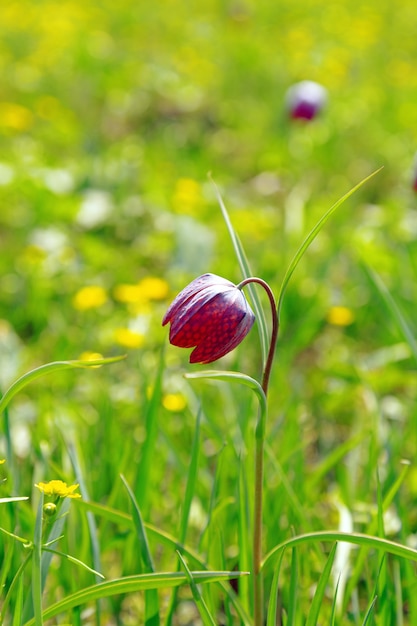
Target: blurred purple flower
{"type": "Point", "coordinates": [305, 100]}
{"type": "Point", "coordinates": [212, 315]}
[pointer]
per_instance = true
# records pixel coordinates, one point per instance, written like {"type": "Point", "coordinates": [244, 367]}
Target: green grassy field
{"type": "Point", "coordinates": [114, 121]}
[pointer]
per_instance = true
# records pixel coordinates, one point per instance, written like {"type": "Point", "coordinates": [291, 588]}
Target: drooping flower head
{"type": "Point", "coordinates": [305, 100]}
{"type": "Point", "coordinates": [212, 315]}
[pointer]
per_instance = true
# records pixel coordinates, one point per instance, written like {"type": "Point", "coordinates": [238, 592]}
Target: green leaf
{"type": "Point", "coordinates": [132, 584]}
{"type": "Point", "coordinates": [272, 618]}
{"type": "Point", "coordinates": [393, 308]}
{"type": "Point", "coordinates": [27, 378]}
{"type": "Point", "coordinates": [246, 273]}
{"type": "Point", "coordinates": [13, 499]}
{"type": "Point", "coordinates": [151, 595]}
{"type": "Point", "coordinates": [198, 598]}
{"type": "Point", "coordinates": [312, 235]}
{"type": "Point", "coordinates": [359, 539]}
{"type": "Point", "coordinates": [234, 377]}
{"type": "Point", "coordinates": [294, 584]}
{"type": "Point", "coordinates": [123, 519]}
{"type": "Point", "coordinates": [37, 566]}
{"type": "Point", "coordinates": [313, 614]}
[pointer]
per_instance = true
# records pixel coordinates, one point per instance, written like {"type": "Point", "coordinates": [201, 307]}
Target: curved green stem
{"type": "Point", "coordinates": [259, 458]}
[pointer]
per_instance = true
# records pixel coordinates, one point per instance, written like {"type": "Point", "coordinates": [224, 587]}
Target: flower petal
{"type": "Point", "coordinates": [206, 280]}
{"type": "Point", "coordinates": [223, 340]}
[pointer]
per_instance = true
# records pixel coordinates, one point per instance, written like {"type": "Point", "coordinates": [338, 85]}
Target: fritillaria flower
{"type": "Point", "coordinates": [212, 315]}
{"type": "Point", "coordinates": [305, 100]}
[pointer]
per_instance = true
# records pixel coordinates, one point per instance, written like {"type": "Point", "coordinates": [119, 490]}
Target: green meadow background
{"type": "Point", "coordinates": [113, 117]}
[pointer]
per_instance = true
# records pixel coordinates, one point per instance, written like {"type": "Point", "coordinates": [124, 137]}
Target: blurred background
{"type": "Point", "coordinates": [112, 116]}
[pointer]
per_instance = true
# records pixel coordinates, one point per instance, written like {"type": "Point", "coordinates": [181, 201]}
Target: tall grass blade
{"type": "Point", "coordinates": [37, 565]}
{"type": "Point", "coordinates": [188, 498]}
{"type": "Point", "coordinates": [164, 538]}
{"type": "Point", "coordinates": [233, 377]}
{"type": "Point", "coordinates": [395, 311]}
{"type": "Point", "coordinates": [133, 584]}
{"type": "Point", "coordinates": [205, 614]}
{"type": "Point", "coordinates": [370, 612]}
{"type": "Point", "coordinates": [18, 607]}
{"type": "Point", "coordinates": [246, 273]}
{"type": "Point", "coordinates": [312, 235]}
{"type": "Point", "coordinates": [272, 617]}
{"type": "Point", "coordinates": [245, 561]}
{"type": "Point", "coordinates": [359, 539]}
{"type": "Point", "coordinates": [29, 377]}
{"type": "Point", "coordinates": [373, 527]}
{"type": "Point", "coordinates": [313, 614]}
{"type": "Point", "coordinates": [151, 595]}
{"type": "Point", "coordinates": [143, 482]}
{"type": "Point", "coordinates": [54, 534]}
{"type": "Point", "coordinates": [292, 594]}
{"type": "Point", "coordinates": [18, 577]}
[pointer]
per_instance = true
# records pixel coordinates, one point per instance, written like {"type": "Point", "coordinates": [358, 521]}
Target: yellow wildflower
{"type": "Point", "coordinates": [14, 116]}
{"type": "Point", "coordinates": [149, 288]}
{"type": "Point", "coordinates": [90, 297]}
{"type": "Point", "coordinates": [340, 316]}
{"type": "Point", "coordinates": [128, 338]}
{"type": "Point", "coordinates": [154, 288]}
{"type": "Point", "coordinates": [2, 461]}
{"type": "Point", "coordinates": [174, 402]}
{"type": "Point", "coordinates": [58, 488]}
{"type": "Point", "coordinates": [187, 196]}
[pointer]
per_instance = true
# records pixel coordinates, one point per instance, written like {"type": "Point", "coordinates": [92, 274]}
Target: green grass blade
{"type": "Point", "coordinates": [369, 612]}
{"type": "Point", "coordinates": [312, 235]}
{"type": "Point", "coordinates": [144, 470]}
{"type": "Point", "coordinates": [14, 499]}
{"type": "Point", "coordinates": [48, 368]}
{"type": "Point", "coordinates": [37, 566]}
{"type": "Point", "coordinates": [91, 522]}
{"type": "Point", "coordinates": [292, 602]}
{"type": "Point", "coordinates": [151, 595]}
{"type": "Point", "coordinates": [272, 617]}
{"type": "Point", "coordinates": [133, 584]}
{"type": "Point", "coordinates": [72, 559]}
{"type": "Point", "coordinates": [191, 479]}
{"type": "Point", "coordinates": [15, 582]}
{"type": "Point", "coordinates": [18, 607]}
{"type": "Point", "coordinates": [164, 538]}
{"type": "Point", "coordinates": [313, 614]}
{"type": "Point", "coordinates": [205, 614]}
{"type": "Point", "coordinates": [188, 497]}
{"type": "Point", "coordinates": [362, 554]}
{"type": "Point", "coordinates": [395, 311]}
{"type": "Point", "coordinates": [244, 543]}
{"type": "Point", "coordinates": [233, 377]}
{"type": "Point", "coordinates": [367, 541]}
{"type": "Point", "coordinates": [246, 273]}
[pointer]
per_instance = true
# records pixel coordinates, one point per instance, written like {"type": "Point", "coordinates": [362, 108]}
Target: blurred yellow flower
{"type": "Point", "coordinates": [90, 297]}
{"type": "Point", "coordinates": [128, 338]}
{"type": "Point", "coordinates": [187, 197]}
{"type": "Point", "coordinates": [174, 402]}
{"type": "Point", "coordinates": [58, 488]}
{"type": "Point", "coordinates": [2, 461]}
{"type": "Point", "coordinates": [15, 116]}
{"type": "Point", "coordinates": [340, 316]}
{"type": "Point", "coordinates": [149, 288]}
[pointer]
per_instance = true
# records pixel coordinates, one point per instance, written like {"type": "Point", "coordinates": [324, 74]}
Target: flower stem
{"type": "Point", "coordinates": [259, 459]}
